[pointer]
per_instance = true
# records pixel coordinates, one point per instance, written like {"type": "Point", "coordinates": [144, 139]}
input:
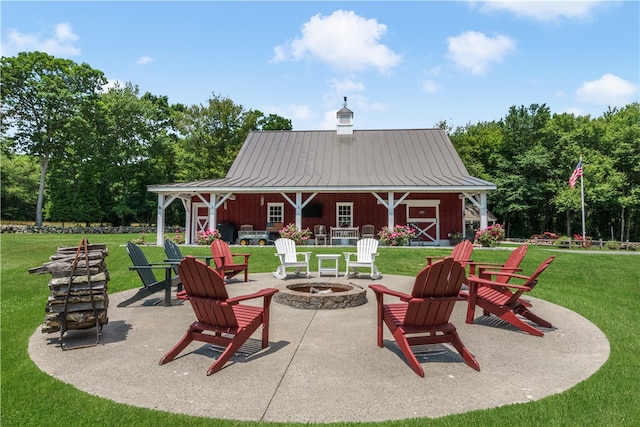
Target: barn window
{"type": "Point", "coordinates": [344, 214]}
{"type": "Point", "coordinates": [275, 212]}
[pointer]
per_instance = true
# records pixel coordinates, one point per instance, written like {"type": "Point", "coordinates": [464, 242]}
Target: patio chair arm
{"type": "Point", "coordinates": [305, 254]}
{"type": "Point", "coordinates": [489, 273]}
{"type": "Point", "coordinates": [347, 255]}
{"type": "Point", "coordinates": [431, 258]}
{"type": "Point", "coordinates": [381, 289]}
{"type": "Point", "coordinates": [261, 293]}
{"type": "Point", "coordinates": [246, 257]}
{"type": "Point", "coordinates": [151, 266]}
{"type": "Point", "coordinates": [475, 280]}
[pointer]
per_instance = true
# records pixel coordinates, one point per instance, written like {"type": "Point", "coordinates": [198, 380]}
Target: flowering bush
{"type": "Point", "coordinates": [207, 237]}
{"type": "Point", "coordinates": [178, 237]}
{"type": "Point", "coordinates": [399, 235]}
{"type": "Point", "coordinates": [299, 236]}
{"type": "Point", "coordinates": [490, 236]}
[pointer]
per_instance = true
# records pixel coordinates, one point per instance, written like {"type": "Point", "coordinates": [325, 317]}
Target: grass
{"type": "Point", "coordinates": [605, 288]}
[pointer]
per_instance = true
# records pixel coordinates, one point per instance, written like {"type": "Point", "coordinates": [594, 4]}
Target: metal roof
{"type": "Point", "coordinates": [367, 160]}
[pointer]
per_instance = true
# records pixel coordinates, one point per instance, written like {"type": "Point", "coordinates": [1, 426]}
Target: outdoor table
{"type": "Point", "coordinates": [328, 269]}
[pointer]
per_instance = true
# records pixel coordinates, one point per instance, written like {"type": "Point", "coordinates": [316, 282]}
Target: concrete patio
{"type": "Point", "coordinates": [321, 365]}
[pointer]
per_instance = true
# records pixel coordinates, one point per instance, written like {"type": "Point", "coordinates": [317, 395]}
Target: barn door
{"type": "Point", "coordinates": [424, 216]}
{"type": "Point", "coordinates": [200, 219]}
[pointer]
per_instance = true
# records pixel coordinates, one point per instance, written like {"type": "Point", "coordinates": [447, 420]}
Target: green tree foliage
{"type": "Point", "coordinates": [530, 155]}
{"type": "Point", "coordinates": [212, 134]}
{"type": "Point", "coordinates": [19, 189]}
{"type": "Point", "coordinates": [43, 100]}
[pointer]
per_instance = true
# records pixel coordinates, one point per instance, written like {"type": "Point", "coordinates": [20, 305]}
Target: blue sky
{"type": "Point", "coordinates": [401, 64]}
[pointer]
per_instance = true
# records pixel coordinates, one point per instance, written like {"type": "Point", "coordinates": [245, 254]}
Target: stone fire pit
{"type": "Point", "coordinates": [321, 296]}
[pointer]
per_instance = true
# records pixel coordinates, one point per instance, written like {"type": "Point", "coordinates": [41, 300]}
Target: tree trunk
{"type": "Point", "coordinates": [44, 164]}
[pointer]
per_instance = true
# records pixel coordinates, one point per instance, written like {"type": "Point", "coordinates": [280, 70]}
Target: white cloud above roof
{"type": "Point", "coordinates": [475, 52]}
{"type": "Point", "coordinates": [608, 90]}
{"type": "Point", "coordinates": [61, 42]}
{"type": "Point", "coordinates": [544, 10]}
{"type": "Point", "coordinates": [342, 40]}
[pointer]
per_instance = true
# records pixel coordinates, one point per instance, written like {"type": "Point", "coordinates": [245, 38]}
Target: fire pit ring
{"type": "Point", "coordinates": [321, 296]}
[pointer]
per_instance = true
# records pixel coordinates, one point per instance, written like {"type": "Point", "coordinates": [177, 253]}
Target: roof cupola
{"type": "Point", "coordinates": [345, 120]}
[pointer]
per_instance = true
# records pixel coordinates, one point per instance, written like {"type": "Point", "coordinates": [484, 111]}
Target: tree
{"type": "Point", "coordinates": [212, 134]}
{"type": "Point", "coordinates": [43, 100]}
{"type": "Point", "coordinates": [19, 187]}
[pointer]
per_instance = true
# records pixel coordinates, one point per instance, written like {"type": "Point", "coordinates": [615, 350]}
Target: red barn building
{"type": "Point", "coordinates": [343, 179]}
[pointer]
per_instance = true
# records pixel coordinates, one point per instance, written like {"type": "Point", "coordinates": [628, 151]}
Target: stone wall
{"type": "Point", "coordinates": [32, 229]}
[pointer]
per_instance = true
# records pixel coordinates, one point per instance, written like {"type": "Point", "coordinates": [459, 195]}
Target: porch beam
{"type": "Point", "coordinates": [391, 204]}
{"type": "Point", "coordinates": [481, 205]}
{"type": "Point", "coordinates": [298, 205]}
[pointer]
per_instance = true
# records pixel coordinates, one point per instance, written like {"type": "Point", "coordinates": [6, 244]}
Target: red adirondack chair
{"type": "Point", "coordinates": [461, 253]}
{"type": "Point", "coordinates": [511, 265]}
{"type": "Point", "coordinates": [503, 298]}
{"type": "Point", "coordinates": [225, 263]}
{"type": "Point", "coordinates": [423, 316]}
{"type": "Point", "coordinates": [217, 314]}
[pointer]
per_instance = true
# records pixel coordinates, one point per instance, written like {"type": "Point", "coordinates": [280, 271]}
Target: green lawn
{"type": "Point", "coordinates": [605, 288]}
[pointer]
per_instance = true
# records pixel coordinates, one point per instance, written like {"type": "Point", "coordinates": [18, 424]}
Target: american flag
{"type": "Point", "coordinates": [576, 174]}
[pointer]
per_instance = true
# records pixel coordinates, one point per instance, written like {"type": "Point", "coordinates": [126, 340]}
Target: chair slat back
{"type": "Point", "coordinates": [221, 253]}
{"type": "Point", "coordinates": [140, 260]}
{"type": "Point", "coordinates": [206, 291]}
{"type": "Point", "coordinates": [172, 251]}
{"type": "Point", "coordinates": [462, 252]}
{"type": "Point", "coordinates": [532, 281]}
{"type": "Point", "coordinates": [288, 248]}
{"type": "Point", "coordinates": [512, 262]}
{"type": "Point", "coordinates": [366, 248]}
{"type": "Point", "coordinates": [436, 290]}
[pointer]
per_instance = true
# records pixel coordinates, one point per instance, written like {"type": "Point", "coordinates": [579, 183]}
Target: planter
{"type": "Point", "coordinates": [455, 240]}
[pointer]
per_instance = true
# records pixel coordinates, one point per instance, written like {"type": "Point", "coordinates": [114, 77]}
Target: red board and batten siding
{"type": "Point", "coordinates": [252, 209]}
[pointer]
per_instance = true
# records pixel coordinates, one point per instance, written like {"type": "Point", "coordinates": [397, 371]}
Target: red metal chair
{"type": "Point", "coordinates": [217, 314]}
{"type": "Point", "coordinates": [423, 317]}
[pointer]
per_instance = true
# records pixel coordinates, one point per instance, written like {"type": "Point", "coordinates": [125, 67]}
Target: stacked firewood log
{"type": "Point", "coordinates": [78, 288]}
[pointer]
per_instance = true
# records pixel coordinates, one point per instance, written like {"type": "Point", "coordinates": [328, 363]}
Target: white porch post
{"type": "Point", "coordinates": [160, 221]}
{"type": "Point", "coordinates": [298, 210]}
{"type": "Point", "coordinates": [213, 208]}
{"type": "Point", "coordinates": [391, 218]}
{"type": "Point", "coordinates": [483, 210]}
{"type": "Point", "coordinates": [188, 220]}
{"type": "Point", "coordinates": [464, 223]}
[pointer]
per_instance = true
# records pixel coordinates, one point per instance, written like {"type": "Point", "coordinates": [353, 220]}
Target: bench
{"type": "Point", "coordinates": [344, 233]}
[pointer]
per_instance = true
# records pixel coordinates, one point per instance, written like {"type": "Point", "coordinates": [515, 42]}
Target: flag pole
{"type": "Point", "coordinates": [584, 233]}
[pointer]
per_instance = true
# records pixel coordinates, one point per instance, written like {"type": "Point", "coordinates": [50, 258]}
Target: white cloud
{"type": "Point", "coordinates": [544, 10]}
{"type": "Point", "coordinates": [430, 86]}
{"type": "Point", "coordinates": [144, 59]}
{"type": "Point", "coordinates": [475, 51]}
{"type": "Point", "coordinates": [343, 40]}
{"type": "Point", "coordinates": [60, 43]}
{"type": "Point", "coordinates": [608, 90]}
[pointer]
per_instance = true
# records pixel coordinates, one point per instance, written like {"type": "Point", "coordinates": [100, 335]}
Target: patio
{"type": "Point", "coordinates": [322, 365]}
